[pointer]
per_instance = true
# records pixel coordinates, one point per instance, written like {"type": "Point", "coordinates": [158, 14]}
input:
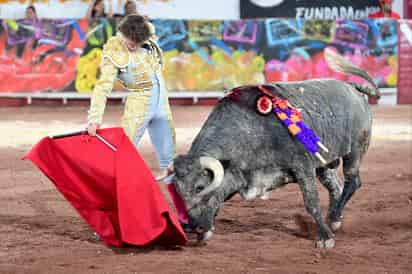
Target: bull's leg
{"type": "Point", "coordinates": [330, 180]}
{"type": "Point", "coordinates": [351, 164]}
{"type": "Point", "coordinates": [311, 199]}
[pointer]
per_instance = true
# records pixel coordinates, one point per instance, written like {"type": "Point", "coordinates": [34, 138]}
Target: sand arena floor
{"type": "Point", "coordinates": [41, 233]}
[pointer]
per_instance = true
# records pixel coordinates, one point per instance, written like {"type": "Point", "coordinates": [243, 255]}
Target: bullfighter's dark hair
{"type": "Point", "coordinates": [135, 28]}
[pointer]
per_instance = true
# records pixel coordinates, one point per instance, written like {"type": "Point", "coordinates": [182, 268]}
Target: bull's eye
{"type": "Point", "coordinates": [198, 189]}
{"type": "Point", "coordinates": [206, 173]}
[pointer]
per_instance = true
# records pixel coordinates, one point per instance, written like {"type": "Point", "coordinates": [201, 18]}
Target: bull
{"type": "Point", "coordinates": [239, 150]}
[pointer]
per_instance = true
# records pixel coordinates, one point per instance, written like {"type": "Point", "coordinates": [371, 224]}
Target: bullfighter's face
{"type": "Point", "coordinates": [196, 180]}
{"type": "Point", "coordinates": [130, 44]}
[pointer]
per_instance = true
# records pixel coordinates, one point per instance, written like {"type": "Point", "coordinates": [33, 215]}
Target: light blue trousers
{"type": "Point", "coordinates": [156, 121]}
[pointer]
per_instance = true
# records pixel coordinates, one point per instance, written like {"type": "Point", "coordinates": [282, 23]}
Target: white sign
{"type": "Point", "coordinates": [50, 9]}
{"type": "Point", "coordinates": [172, 9]}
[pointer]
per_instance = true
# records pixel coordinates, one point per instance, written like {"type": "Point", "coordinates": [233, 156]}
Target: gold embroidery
{"type": "Point", "coordinates": [116, 52]}
{"type": "Point", "coordinates": [143, 66]}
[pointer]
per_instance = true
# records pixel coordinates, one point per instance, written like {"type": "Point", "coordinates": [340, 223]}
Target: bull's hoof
{"type": "Point", "coordinates": [250, 194]}
{"type": "Point", "coordinates": [204, 236]}
{"type": "Point", "coordinates": [335, 226]}
{"type": "Point", "coordinates": [329, 243]}
{"type": "Point", "coordinates": [265, 196]}
{"type": "Point", "coordinates": [334, 223]}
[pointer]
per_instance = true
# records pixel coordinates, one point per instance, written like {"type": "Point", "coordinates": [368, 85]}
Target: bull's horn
{"type": "Point", "coordinates": [218, 172]}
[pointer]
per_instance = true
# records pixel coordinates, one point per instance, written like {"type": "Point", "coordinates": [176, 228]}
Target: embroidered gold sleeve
{"type": "Point", "coordinates": [115, 55]}
{"type": "Point", "coordinates": [116, 52]}
{"type": "Point", "coordinates": [101, 90]}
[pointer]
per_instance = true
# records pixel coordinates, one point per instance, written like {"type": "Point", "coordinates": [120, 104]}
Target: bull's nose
{"type": "Point", "coordinates": [192, 223]}
{"type": "Point", "coordinates": [189, 227]}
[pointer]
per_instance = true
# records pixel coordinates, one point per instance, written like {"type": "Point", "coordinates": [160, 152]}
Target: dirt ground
{"type": "Point", "coordinates": [41, 233]}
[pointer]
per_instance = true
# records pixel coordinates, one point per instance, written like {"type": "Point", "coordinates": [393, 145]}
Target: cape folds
{"type": "Point", "coordinates": [113, 191]}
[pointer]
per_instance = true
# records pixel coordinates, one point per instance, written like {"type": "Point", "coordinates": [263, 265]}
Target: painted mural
{"type": "Point", "coordinates": [200, 55]}
{"type": "Point", "coordinates": [97, 33]}
{"type": "Point", "coordinates": [40, 55]}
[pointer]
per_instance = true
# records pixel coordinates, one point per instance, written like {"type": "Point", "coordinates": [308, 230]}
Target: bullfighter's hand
{"type": "Point", "coordinates": [92, 128]}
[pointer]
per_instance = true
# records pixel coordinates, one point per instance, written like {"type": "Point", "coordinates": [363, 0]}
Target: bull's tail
{"type": "Point", "coordinates": [340, 64]}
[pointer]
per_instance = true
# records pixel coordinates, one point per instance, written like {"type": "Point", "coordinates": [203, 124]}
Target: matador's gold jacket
{"type": "Point", "coordinates": [135, 71]}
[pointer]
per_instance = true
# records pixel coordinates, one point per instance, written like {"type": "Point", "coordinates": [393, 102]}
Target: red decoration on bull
{"type": "Point", "coordinates": [264, 105]}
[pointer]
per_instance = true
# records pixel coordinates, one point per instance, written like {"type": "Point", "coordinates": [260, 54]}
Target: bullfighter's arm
{"type": "Point", "coordinates": [114, 56]}
{"type": "Point", "coordinates": [101, 90]}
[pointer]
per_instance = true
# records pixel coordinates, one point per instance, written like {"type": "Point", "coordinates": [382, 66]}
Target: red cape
{"type": "Point", "coordinates": [114, 192]}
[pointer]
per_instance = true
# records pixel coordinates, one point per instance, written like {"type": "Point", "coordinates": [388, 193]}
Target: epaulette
{"type": "Point", "coordinates": [116, 51]}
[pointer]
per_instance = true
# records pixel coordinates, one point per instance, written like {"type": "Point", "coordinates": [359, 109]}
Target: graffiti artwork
{"type": "Point", "coordinates": [169, 32]}
{"type": "Point", "coordinates": [351, 34]}
{"type": "Point", "coordinates": [63, 55]}
{"type": "Point", "coordinates": [284, 32]}
{"type": "Point", "coordinates": [201, 31]}
{"type": "Point", "coordinates": [319, 30]}
{"type": "Point", "coordinates": [40, 55]}
{"type": "Point", "coordinates": [98, 32]}
{"type": "Point", "coordinates": [386, 33]}
{"type": "Point", "coordinates": [240, 31]}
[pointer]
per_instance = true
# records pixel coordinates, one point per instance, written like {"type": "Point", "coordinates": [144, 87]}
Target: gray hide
{"type": "Point", "coordinates": [258, 154]}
